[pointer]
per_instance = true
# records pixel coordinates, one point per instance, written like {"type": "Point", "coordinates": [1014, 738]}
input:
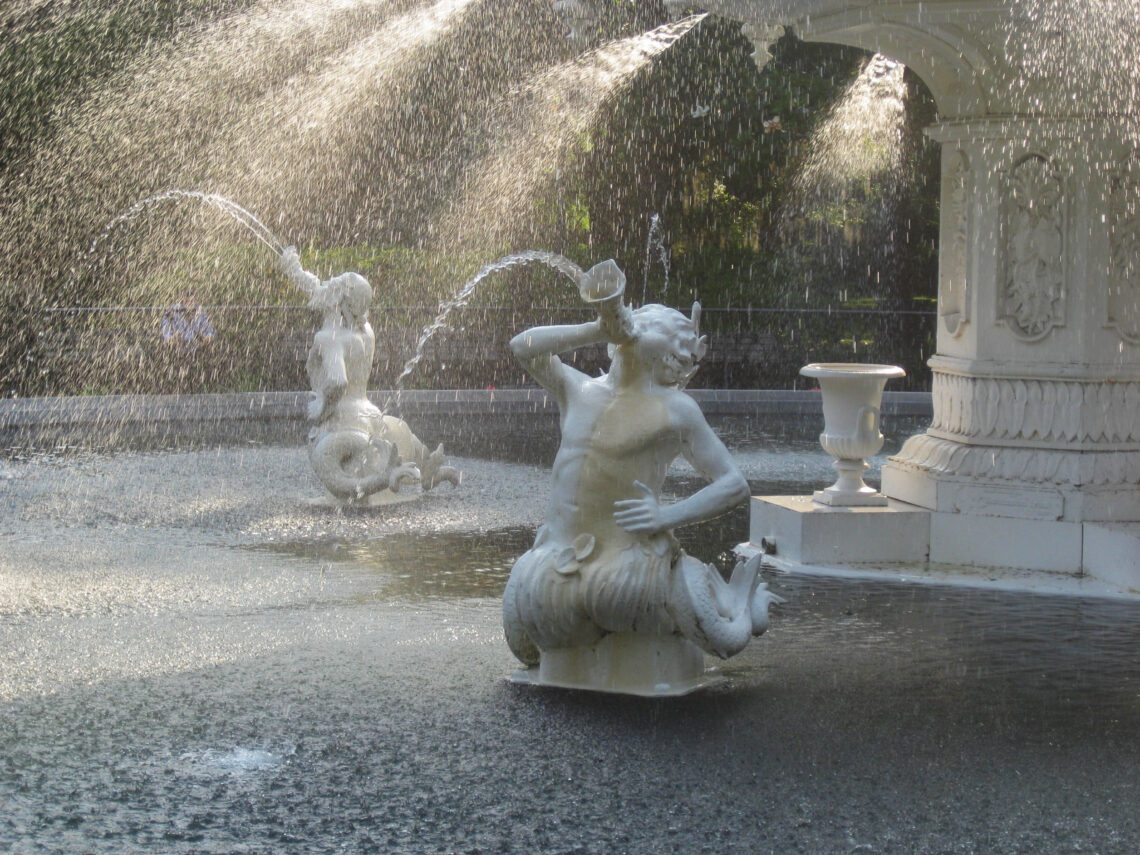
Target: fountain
{"type": "Point", "coordinates": [194, 658]}
{"type": "Point", "coordinates": [655, 241]}
{"type": "Point", "coordinates": [356, 450]}
{"type": "Point", "coordinates": [1032, 460]}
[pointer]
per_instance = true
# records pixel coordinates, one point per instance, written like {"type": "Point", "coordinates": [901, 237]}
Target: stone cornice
{"type": "Point", "coordinates": [968, 53]}
{"type": "Point", "coordinates": [1030, 131]}
{"type": "Point", "coordinates": [1042, 369]}
{"type": "Point", "coordinates": [981, 465]}
{"type": "Point", "coordinates": [1036, 414]}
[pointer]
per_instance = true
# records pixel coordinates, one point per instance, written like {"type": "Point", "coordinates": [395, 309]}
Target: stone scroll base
{"type": "Point", "coordinates": [904, 539]}
{"type": "Point", "coordinates": [624, 663]}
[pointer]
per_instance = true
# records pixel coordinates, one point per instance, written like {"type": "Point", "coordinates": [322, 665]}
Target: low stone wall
{"type": "Point", "coordinates": [469, 421]}
{"type": "Point", "coordinates": [85, 352]}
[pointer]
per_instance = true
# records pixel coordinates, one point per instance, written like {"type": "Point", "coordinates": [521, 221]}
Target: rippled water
{"type": "Point", "coordinates": [199, 655]}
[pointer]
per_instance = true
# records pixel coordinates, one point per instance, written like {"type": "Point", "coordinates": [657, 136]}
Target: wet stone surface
{"type": "Point", "coordinates": [201, 656]}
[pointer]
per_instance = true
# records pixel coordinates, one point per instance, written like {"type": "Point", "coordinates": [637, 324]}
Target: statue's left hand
{"type": "Point", "coordinates": [641, 515]}
{"type": "Point", "coordinates": [289, 260]}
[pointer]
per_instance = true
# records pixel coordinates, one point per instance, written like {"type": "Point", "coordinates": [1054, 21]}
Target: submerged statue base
{"type": "Point", "coordinates": [627, 663]}
{"type": "Point", "coordinates": [606, 599]}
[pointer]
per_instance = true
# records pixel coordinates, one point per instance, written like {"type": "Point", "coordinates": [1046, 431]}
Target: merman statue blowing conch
{"type": "Point", "coordinates": [606, 599]}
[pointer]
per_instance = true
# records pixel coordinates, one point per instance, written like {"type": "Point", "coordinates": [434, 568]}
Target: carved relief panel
{"type": "Point", "coordinates": [953, 261]}
{"type": "Point", "coordinates": [1124, 251]}
{"type": "Point", "coordinates": [1031, 299]}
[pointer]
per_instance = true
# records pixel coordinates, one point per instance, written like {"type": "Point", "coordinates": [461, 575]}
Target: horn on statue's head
{"type": "Point", "coordinates": [702, 340]}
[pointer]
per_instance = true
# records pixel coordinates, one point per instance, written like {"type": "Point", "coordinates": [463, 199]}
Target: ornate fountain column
{"type": "Point", "coordinates": [1036, 427]}
{"type": "Point", "coordinates": [1033, 456]}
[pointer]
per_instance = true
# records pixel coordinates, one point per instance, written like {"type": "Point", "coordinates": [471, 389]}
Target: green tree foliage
{"type": "Point", "coordinates": [52, 53]}
{"type": "Point", "coordinates": [700, 137]}
{"type": "Point", "coordinates": [714, 146]}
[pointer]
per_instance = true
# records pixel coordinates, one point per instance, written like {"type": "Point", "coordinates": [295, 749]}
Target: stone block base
{"type": "Point", "coordinates": [798, 531]}
{"type": "Point", "coordinates": [987, 541]}
{"type": "Point", "coordinates": [623, 663]}
{"type": "Point", "coordinates": [807, 532]}
{"type": "Point", "coordinates": [1112, 553]}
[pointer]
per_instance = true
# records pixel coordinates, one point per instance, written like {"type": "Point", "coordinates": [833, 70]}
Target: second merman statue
{"type": "Point", "coordinates": [356, 449]}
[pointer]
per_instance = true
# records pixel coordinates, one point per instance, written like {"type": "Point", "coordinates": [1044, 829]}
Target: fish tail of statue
{"type": "Point", "coordinates": [434, 471]}
{"type": "Point", "coordinates": [352, 465]}
{"type": "Point", "coordinates": [521, 645]}
{"type": "Point", "coordinates": [715, 615]}
{"type": "Point", "coordinates": [543, 604]}
{"type": "Point", "coordinates": [433, 467]}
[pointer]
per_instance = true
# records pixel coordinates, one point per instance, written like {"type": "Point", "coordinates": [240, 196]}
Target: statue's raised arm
{"type": "Point", "coordinates": [537, 348]}
{"type": "Point", "coordinates": [289, 262]}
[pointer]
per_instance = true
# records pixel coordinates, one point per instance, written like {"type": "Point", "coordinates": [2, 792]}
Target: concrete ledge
{"type": "Point", "coordinates": [910, 543]}
{"type": "Point", "coordinates": [245, 405]}
{"type": "Point", "coordinates": [1007, 579]}
{"type": "Point", "coordinates": [124, 420]}
{"type": "Point", "coordinates": [1112, 553]}
{"type": "Point", "coordinates": [801, 402]}
{"type": "Point", "coordinates": [103, 410]}
{"type": "Point", "coordinates": [1050, 546]}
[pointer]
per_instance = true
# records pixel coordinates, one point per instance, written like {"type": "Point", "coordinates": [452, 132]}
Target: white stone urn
{"type": "Point", "coordinates": [852, 394]}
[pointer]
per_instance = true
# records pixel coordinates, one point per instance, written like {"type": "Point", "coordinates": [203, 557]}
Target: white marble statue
{"type": "Point", "coordinates": [355, 449]}
{"type": "Point", "coordinates": [606, 599]}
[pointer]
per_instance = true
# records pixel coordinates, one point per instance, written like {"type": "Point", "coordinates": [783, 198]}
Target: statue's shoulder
{"type": "Point", "coordinates": [681, 404]}
{"type": "Point", "coordinates": [565, 383]}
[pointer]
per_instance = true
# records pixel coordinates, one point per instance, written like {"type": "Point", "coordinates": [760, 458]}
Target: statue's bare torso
{"type": "Point", "coordinates": [615, 438]}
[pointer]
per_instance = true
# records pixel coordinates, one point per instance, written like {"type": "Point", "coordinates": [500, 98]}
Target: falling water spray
{"type": "Point", "coordinates": [550, 259]}
{"type": "Point", "coordinates": [655, 241]}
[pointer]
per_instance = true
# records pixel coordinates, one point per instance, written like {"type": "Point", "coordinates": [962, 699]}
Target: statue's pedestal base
{"type": "Point", "coordinates": [379, 499]}
{"type": "Point", "coordinates": [624, 663]}
{"type": "Point", "coordinates": [916, 542]}
{"type": "Point", "coordinates": [808, 532]}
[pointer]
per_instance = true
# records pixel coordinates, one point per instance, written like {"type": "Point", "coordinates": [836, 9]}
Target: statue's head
{"type": "Point", "coordinates": [669, 342]}
{"type": "Point", "coordinates": [357, 296]}
{"type": "Point", "coordinates": [349, 293]}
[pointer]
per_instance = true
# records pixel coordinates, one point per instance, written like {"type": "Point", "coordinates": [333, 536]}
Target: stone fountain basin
{"type": "Point", "coordinates": [196, 658]}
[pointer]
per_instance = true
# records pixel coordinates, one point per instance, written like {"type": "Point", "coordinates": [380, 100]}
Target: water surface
{"type": "Point", "coordinates": [199, 655]}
